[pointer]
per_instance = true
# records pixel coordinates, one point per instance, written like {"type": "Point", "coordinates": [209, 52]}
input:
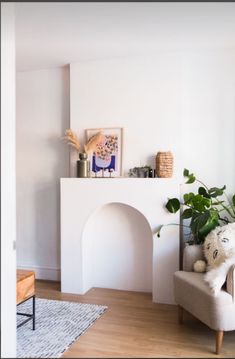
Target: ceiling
{"type": "Point", "coordinates": [55, 34]}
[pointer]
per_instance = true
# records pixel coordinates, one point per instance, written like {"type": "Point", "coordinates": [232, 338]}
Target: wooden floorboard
{"type": "Point", "coordinates": [135, 327]}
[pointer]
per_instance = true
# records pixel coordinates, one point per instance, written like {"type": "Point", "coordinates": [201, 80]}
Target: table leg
{"type": "Point", "coordinates": [34, 312]}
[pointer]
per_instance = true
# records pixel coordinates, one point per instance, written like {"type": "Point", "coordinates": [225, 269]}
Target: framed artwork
{"type": "Point", "coordinates": [106, 158]}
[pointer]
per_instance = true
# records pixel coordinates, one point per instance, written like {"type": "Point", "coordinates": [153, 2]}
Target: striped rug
{"type": "Point", "coordinates": [58, 325]}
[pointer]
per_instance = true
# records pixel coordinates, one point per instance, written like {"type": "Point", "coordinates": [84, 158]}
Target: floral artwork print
{"type": "Point", "coordinates": [106, 158]}
{"type": "Point", "coordinates": [107, 148]}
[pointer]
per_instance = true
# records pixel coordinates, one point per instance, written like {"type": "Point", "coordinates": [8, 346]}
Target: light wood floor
{"type": "Point", "coordinates": [134, 327]}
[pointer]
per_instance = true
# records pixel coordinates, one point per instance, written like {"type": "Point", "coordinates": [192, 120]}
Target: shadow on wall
{"type": "Point", "coordinates": [117, 249]}
{"type": "Point", "coordinates": [47, 194]}
{"type": "Point", "coordinates": [42, 159]}
{"type": "Point", "coordinates": [46, 231]}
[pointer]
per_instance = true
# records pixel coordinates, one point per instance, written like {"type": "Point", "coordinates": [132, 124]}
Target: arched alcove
{"type": "Point", "coordinates": [117, 249]}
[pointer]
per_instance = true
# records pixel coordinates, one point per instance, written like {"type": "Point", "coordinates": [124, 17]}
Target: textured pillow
{"type": "Point", "coordinates": [230, 283]}
{"type": "Point", "coordinates": [219, 245]}
{"type": "Point", "coordinates": [219, 251]}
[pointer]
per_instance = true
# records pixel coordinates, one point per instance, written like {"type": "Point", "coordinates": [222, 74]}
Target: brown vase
{"type": "Point", "coordinates": [164, 164]}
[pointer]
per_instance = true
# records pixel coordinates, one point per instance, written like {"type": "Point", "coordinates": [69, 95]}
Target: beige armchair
{"type": "Point", "coordinates": [193, 294]}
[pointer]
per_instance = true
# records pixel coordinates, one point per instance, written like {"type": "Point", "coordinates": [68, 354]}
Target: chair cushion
{"type": "Point", "coordinates": [194, 295]}
{"type": "Point", "coordinates": [230, 282]}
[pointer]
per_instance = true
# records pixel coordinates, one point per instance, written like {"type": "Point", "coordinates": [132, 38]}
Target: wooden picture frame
{"type": "Point", "coordinates": [106, 160]}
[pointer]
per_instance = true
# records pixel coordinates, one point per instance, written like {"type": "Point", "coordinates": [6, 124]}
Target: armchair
{"type": "Point", "coordinates": [193, 294]}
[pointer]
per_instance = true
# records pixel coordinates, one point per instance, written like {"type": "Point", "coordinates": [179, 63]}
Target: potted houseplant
{"type": "Point", "coordinates": [205, 210]}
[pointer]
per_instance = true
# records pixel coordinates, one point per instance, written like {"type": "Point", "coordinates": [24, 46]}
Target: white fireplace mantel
{"type": "Point", "coordinates": [82, 198]}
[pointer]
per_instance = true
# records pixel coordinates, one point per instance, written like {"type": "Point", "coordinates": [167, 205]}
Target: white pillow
{"type": "Point", "coordinates": [219, 244]}
{"type": "Point", "coordinates": [219, 251]}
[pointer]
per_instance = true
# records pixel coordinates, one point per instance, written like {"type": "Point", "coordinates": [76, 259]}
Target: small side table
{"type": "Point", "coordinates": [25, 291]}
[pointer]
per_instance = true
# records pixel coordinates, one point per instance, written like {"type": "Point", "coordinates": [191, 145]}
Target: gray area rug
{"type": "Point", "coordinates": [58, 325]}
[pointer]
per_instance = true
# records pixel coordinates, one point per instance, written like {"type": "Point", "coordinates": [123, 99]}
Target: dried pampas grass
{"type": "Point", "coordinates": [94, 140]}
{"type": "Point", "coordinates": [72, 139]}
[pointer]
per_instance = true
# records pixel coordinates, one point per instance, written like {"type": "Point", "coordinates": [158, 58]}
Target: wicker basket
{"type": "Point", "coordinates": [164, 164]}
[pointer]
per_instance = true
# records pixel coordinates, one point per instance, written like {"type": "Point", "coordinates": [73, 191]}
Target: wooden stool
{"type": "Point", "coordinates": [25, 291]}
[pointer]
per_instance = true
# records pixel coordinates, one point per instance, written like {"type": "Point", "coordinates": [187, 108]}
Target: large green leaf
{"type": "Point", "coordinates": [202, 191]}
{"type": "Point", "coordinates": [173, 205]}
{"type": "Point", "coordinates": [211, 221]}
{"type": "Point", "coordinates": [191, 179]}
{"type": "Point", "coordinates": [197, 201]}
{"type": "Point", "coordinates": [200, 203]}
{"type": "Point", "coordinates": [187, 213]}
{"type": "Point", "coordinates": [194, 222]}
{"type": "Point", "coordinates": [190, 176]}
{"type": "Point", "coordinates": [233, 199]}
{"type": "Point", "coordinates": [202, 223]}
{"type": "Point", "coordinates": [186, 172]}
{"type": "Point", "coordinates": [188, 197]}
{"type": "Point", "coordinates": [215, 191]}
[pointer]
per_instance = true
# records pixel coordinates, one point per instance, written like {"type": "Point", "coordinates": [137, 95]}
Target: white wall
{"type": "Point", "coordinates": [83, 31]}
{"type": "Point", "coordinates": [8, 183]}
{"type": "Point", "coordinates": [164, 72]}
{"type": "Point", "coordinates": [42, 158]}
{"type": "Point", "coordinates": [140, 94]}
{"type": "Point", "coordinates": [179, 100]}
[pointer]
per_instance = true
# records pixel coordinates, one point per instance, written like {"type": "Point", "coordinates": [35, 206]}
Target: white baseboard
{"type": "Point", "coordinates": [46, 273]}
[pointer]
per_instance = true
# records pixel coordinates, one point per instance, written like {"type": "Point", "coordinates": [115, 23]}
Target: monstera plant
{"type": "Point", "coordinates": [204, 210]}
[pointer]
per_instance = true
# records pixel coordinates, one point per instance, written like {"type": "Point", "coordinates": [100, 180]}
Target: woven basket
{"type": "Point", "coordinates": [164, 164]}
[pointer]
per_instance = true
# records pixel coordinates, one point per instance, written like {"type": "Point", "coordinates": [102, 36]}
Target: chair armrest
{"type": "Point", "coordinates": [191, 254]}
{"type": "Point", "coordinates": [230, 281]}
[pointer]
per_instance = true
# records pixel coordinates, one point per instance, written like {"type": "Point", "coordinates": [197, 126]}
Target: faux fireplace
{"type": "Point", "coordinates": [106, 235]}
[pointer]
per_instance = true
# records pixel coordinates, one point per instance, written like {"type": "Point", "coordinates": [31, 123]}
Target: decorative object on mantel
{"type": "Point", "coordinates": [142, 172]}
{"type": "Point", "coordinates": [164, 164]}
{"type": "Point", "coordinates": [83, 164]}
{"type": "Point", "coordinates": [106, 155]}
